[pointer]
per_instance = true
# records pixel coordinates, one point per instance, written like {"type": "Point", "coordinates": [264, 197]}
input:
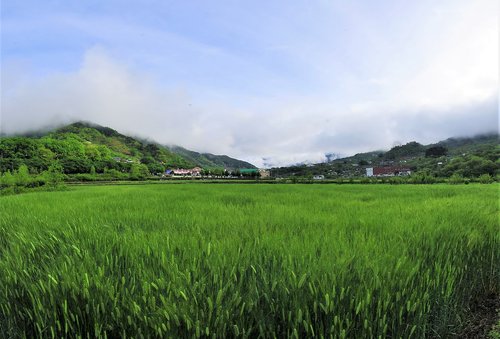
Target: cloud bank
{"type": "Point", "coordinates": [272, 133]}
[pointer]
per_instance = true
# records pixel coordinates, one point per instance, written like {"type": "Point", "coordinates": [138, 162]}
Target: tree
{"type": "Point", "coordinates": [155, 168]}
{"type": "Point", "coordinates": [72, 165]}
{"type": "Point", "coordinates": [92, 172]}
{"type": "Point", "coordinates": [54, 175]}
{"type": "Point", "coordinates": [139, 171]}
{"type": "Point", "coordinates": [7, 179]}
{"type": "Point", "coordinates": [218, 172]}
{"type": "Point", "coordinates": [422, 177]}
{"type": "Point", "coordinates": [152, 150]}
{"type": "Point", "coordinates": [410, 149]}
{"type": "Point", "coordinates": [111, 174]}
{"type": "Point", "coordinates": [18, 147]}
{"type": "Point", "coordinates": [92, 152]}
{"type": "Point", "coordinates": [147, 159]}
{"type": "Point", "coordinates": [436, 152]}
{"type": "Point", "coordinates": [485, 179]}
{"type": "Point", "coordinates": [22, 176]}
{"type": "Point", "coordinates": [456, 179]}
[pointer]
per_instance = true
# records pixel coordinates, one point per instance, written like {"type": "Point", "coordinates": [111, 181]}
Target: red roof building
{"type": "Point", "coordinates": [387, 171]}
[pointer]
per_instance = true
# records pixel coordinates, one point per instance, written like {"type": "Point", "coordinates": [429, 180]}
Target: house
{"type": "Point", "coordinates": [185, 172]}
{"type": "Point", "coordinates": [264, 173]}
{"type": "Point", "coordinates": [196, 171]}
{"type": "Point", "coordinates": [128, 160]}
{"type": "Point", "coordinates": [389, 171]}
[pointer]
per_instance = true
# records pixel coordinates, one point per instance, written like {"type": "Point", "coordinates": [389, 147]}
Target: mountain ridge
{"type": "Point", "coordinates": [466, 156]}
{"type": "Point", "coordinates": [81, 145]}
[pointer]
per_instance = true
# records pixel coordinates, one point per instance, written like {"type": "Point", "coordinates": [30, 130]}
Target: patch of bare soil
{"type": "Point", "coordinates": [483, 315]}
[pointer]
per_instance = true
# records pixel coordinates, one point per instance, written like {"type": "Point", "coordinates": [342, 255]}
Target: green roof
{"type": "Point", "coordinates": [249, 170]}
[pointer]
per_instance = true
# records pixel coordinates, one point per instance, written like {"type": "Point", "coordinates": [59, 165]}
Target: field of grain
{"type": "Point", "coordinates": [342, 261]}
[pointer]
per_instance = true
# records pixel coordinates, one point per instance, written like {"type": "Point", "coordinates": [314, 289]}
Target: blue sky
{"type": "Point", "coordinates": [284, 81]}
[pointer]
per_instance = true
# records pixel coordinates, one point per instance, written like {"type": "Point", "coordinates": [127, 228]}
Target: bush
{"type": "Point", "coordinates": [8, 190]}
{"type": "Point", "coordinates": [365, 180]}
{"type": "Point", "coordinates": [84, 177]}
{"type": "Point", "coordinates": [7, 179]}
{"type": "Point", "coordinates": [22, 176]}
{"type": "Point", "coordinates": [396, 181]}
{"type": "Point", "coordinates": [485, 179]}
{"type": "Point", "coordinates": [54, 175]}
{"type": "Point", "coordinates": [422, 178]}
{"type": "Point", "coordinates": [456, 179]}
{"type": "Point", "coordinates": [112, 174]}
{"type": "Point", "coordinates": [139, 172]}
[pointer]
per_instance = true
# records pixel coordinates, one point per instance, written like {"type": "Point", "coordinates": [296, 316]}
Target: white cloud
{"type": "Point", "coordinates": [282, 130]}
{"type": "Point", "coordinates": [105, 92]}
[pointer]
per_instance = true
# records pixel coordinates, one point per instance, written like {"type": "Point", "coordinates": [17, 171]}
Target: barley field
{"type": "Point", "coordinates": [239, 260]}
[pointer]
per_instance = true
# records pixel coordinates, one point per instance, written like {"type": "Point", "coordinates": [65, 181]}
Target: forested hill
{"type": "Point", "coordinates": [81, 147]}
{"type": "Point", "coordinates": [468, 157]}
{"type": "Point", "coordinates": [208, 160]}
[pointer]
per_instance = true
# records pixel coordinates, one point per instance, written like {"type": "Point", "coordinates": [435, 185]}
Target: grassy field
{"type": "Point", "coordinates": [346, 261]}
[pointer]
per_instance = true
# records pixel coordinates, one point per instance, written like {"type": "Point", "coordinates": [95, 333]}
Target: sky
{"type": "Point", "coordinates": [271, 82]}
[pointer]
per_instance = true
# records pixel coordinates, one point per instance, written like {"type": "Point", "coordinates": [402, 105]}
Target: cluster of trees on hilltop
{"type": "Point", "coordinates": [410, 149]}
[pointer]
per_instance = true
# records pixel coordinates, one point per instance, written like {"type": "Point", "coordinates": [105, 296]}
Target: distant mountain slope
{"type": "Point", "coordinates": [472, 144]}
{"type": "Point", "coordinates": [467, 156]}
{"type": "Point", "coordinates": [208, 160]}
{"type": "Point", "coordinates": [82, 145]}
{"type": "Point", "coordinates": [454, 146]}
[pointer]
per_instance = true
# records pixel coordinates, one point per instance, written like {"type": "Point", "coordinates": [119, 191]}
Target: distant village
{"type": "Point", "coordinates": [200, 172]}
{"type": "Point", "coordinates": [387, 171]}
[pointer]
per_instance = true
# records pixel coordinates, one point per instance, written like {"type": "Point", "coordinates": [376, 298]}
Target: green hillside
{"type": "Point", "coordinates": [208, 160]}
{"type": "Point", "coordinates": [84, 147]}
{"type": "Point", "coordinates": [466, 157]}
{"type": "Point", "coordinates": [480, 143]}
